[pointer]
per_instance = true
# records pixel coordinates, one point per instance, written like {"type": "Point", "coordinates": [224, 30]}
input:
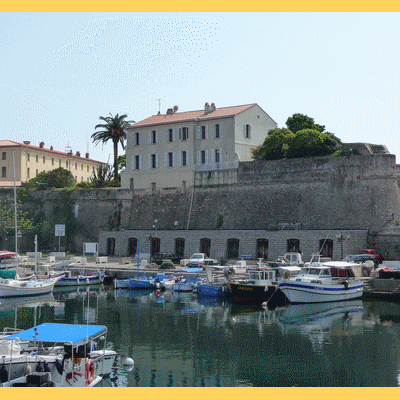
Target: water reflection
{"type": "Point", "coordinates": [180, 339]}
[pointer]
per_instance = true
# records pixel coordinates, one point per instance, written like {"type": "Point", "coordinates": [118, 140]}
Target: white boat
{"type": "Point", "coordinates": [18, 288]}
{"type": "Point", "coordinates": [81, 279]}
{"type": "Point", "coordinates": [323, 282]}
{"type": "Point", "coordinates": [71, 361]}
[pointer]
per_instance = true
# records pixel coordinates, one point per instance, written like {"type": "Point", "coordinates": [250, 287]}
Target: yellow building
{"type": "Point", "coordinates": [31, 160]}
{"type": "Point", "coordinates": [167, 150]}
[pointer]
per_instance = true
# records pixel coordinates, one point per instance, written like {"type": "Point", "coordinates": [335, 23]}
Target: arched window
{"type": "Point", "coordinates": [132, 246]}
{"type": "Point", "coordinates": [262, 248]}
{"type": "Point", "coordinates": [110, 246]}
{"type": "Point", "coordinates": [326, 247]}
{"type": "Point", "coordinates": [205, 246]}
{"type": "Point", "coordinates": [293, 245]}
{"type": "Point", "coordinates": [154, 246]}
{"type": "Point", "coordinates": [180, 247]}
{"type": "Point", "coordinates": [232, 251]}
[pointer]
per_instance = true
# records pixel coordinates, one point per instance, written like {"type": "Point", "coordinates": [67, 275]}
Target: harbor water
{"type": "Point", "coordinates": [182, 340]}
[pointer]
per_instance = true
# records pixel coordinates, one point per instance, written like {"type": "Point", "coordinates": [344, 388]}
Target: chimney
{"type": "Point", "coordinates": [209, 109]}
{"type": "Point", "coordinates": [41, 145]}
{"type": "Point", "coordinates": [170, 111]}
{"type": "Point", "coordinates": [78, 153]}
{"type": "Point", "coordinates": [87, 155]}
{"type": "Point", "coordinates": [51, 148]}
{"type": "Point", "coordinates": [27, 142]}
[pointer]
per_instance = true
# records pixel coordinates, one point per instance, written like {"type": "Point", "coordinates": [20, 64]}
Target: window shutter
{"type": "Point", "coordinates": [244, 130]}
{"type": "Point", "coordinates": [133, 162]}
{"type": "Point", "coordinates": [156, 136]}
{"type": "Point", "coordinates": [149, 159]}
{"type": "Point", "coordinates": [149, 137]}
{"type": "Point", "coordinates": [180, 158]}
{"type": "Point", "coordinates": [206, 131]}
{"type": "Point", "coordinates": [220, 130]}
{"type": "Point", "coordinates": [187, 158]}
{"type": "Point", "coordinates": [180, 133]}
{"type": "Point", "coordinates": [174, 159]}
{"type": "Point", "coordinates": [187, 138]}
{"type": "Point", "coordinates": [220, 155]}
{"type": "Point", "coordinates": [166, 135]}
{"type": "Point", "coordinates": [206, 156]}
{"type": "Point", "coordinates": [173, 134]}
{"type": "Point", "coordinates": [140, 162]}
{"type": "Point", "coordinates": [213, 131]}
{"type": "Point", "coordinates": [198, 133]}
{"type": "Point", "coordinates": [156, 160]}
{"type": "Point", "coordinates": [199, 157]}
{"type": "Point", "coordinates": [165, 159]}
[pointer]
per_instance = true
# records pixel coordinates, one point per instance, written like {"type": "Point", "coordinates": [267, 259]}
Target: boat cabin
{"type": "Point", "coordinates": [262, 274]}
{"type": "Point", "coordinates": [327, 270]}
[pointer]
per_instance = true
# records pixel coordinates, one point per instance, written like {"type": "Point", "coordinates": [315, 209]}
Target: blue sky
{"type": "Point", "coordinates": [61, 71]}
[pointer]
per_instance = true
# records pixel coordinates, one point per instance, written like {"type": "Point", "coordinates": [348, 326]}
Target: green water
{"type": "Point", "coordinates": [182, 340]}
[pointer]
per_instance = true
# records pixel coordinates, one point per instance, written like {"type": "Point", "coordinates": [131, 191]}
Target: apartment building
{"type": "Point", "coordinates": [31, 160]}
{"type": "Point", "coordinates": [166, 150]}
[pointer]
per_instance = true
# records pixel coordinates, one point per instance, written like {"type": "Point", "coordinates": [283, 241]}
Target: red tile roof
{"type": "Point", "coordinates": [223, 112]}
{"type": "Point", "coordinates": [11, 143]}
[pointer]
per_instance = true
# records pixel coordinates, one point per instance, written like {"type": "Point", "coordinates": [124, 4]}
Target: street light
{"type": "Point", "coordinates": [341, 238]}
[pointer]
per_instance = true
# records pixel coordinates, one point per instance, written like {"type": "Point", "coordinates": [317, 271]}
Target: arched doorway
{"type": "Point", "coordinates": [232, 251]}
{"type": "Point", "coordinates": [205, 246]}
{"type": "Point", "coordinates": [132, 247]}
{"type": "Point", "coordinates": [110, 246]}
{"type": "Point", "coordinates": [262, 248]}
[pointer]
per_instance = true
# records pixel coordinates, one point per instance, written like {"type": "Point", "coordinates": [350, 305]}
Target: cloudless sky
{"type": "Point", "coordinates": [60, 71]}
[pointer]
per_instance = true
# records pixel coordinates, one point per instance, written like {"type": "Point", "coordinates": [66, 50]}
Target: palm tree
{"type": "Point", "coordinates": [114, 129]}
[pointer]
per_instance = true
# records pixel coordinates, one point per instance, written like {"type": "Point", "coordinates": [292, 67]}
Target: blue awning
{"type": "Point", "coordinates": [64, 333]}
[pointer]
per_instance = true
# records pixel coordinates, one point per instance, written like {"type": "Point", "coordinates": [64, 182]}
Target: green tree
{"type": "Point", "coordinates": [113, 129]}
{"type": "Point", "coordinates": [7, 220]}
{"type": "Point", "coordinates": [274, 146]}
{"type": "Point", "coordinates": [310, 143]}
{"type": "Point", "coordinates": [298, 122]}
{"type": "Point", "coordinates": [102, 176]}
{"type": "Point", "coordinates": [56, 178]}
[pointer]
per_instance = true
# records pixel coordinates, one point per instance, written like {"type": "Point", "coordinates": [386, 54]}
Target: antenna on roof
{"type": "Point", "coordinates": [159, 106]}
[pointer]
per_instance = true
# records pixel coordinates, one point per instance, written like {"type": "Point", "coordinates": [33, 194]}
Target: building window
{"type": "Point", "coordinates": [185, 158]}
{"type": "Point", "coordinates": [205, 246]}
{"type": "Point", "coordinates": [37, 171]}
{"type": "Point", "coordinates": [76, 165]}
{"type": "Point", "coordinates": [4, 172]}
{"type": "Point", "coordinates": [202, 157]}
{"type": "Point", "coordinates": [4, 155]}
{"type": "Point", "coordinates": [131, 183]}
{"type": "Point", "coordinates": [110, 246]}
{"type": "Point", "coordinates": [293, 245]}
{"type": "Point", "coordinates": [29, 157]}
{"type": "Point", "coordinates": [180, 247]}
{"type": "Point", "coordinates": [81, 167]}
{"type": "Point", "coordinates": [203, 132]}
{"type": "Point", "coordinates": [232, 250]}
{"type": "Point", "coordinates": [170, 133]}
{"type": "Point", "coordinates": [87, 168]}
{"type": "Point", "coordinates": [247, 131]}
{"type": "Point", "coordinates": [137, 138]}
{"type": "Point", "coordinates": [28, 173]}
{"type": "Point", "coordinates": [136, 162]}
{"type": "Point", "coordinates": [326, 247]}
{"type": "Point", "coordinates": [44, 159]}
{"type": "Point", "coordinates": [59, 163]}
{"type": "Point", "coordinates": [217, 155]}
{"type": "Point", "coordinates": [66, 164]}
{"type": "Point", "coordinates": [170, 160]}
{"type": "Point", "coordinates": [217, 131]}
{"type": "Point", "coordinates": [184, 133]}
{"type": "Point", "coordinates": [52, 161]}
{"type": "Point", "coordinates": [153, 137]}
{"type": "Point", "coordinates": [262, 249]}
{"type": "Point", "coordinates": [153, 160]}
{"type": "Point", "coordinates": [37, 158]}
{"type": "Point", "coordinates": [132, 247]}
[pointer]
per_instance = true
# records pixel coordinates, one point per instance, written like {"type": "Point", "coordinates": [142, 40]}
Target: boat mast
{"type": "Point", "coordinates": [15, 209]}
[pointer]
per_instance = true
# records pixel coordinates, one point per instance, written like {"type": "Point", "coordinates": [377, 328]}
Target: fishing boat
{"type": "Point", "coordinates": [72, 360]}
{"type": "Point", "coordinates": [323, 282]}
{"type": "Point", "coordinates": [80, 279]}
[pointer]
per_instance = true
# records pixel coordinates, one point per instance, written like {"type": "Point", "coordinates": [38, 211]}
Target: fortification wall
{"type": "Point", "coordinates": [325, 193]}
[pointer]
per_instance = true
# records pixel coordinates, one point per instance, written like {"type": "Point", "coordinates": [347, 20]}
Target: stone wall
{"type": "Point", "coordinates": [317, 194]}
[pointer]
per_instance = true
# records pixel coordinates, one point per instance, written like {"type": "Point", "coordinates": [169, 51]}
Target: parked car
{"type": "Point", "coordinates": [159, 258]}
{"type": "Point", "coordinates": [362, 258]}
{"type": "Point", "coordinates": [375, 253]}
{"type": "Point", "coordinates": [197, 259]}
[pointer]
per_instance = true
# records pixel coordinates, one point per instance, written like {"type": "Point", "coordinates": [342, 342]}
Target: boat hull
{"type": "Point", "coordinates": [311, 292]}
{"type": "Point", "coordinates": [94, 279]}
{"type": "Point", "coordinates": [26, 288]}
{"type": "Point", "coordinates": [255, 294]}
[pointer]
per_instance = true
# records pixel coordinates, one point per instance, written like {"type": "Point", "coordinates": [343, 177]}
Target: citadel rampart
{"type": "Point", "coordinates": [324, 193]}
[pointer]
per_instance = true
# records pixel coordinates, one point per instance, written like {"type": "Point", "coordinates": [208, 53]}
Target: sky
{"type": "Point", "coordinates": [60, 71]}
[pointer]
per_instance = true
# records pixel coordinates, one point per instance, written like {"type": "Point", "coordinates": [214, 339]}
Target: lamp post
{"type": "Point", "coordinates": [341, 238]}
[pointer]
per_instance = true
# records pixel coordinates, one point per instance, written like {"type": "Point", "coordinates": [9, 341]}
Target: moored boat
{"type": "Point", "coordinates": [81, 279]}
{"type": "Point", "coordinates": [32, 287]}
{"type": "Point", "coordinates": [323, 282]}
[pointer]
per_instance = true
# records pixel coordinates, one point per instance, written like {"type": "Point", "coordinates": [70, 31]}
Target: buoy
{"type": "Point", "coordinates": [128, 364]}
{"type": "Point", "coordinates": [158, 292]}
{"type": "Point", "coordinates": [3, 374]}
{"type": "Point", "coordinates": [28, 369]}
